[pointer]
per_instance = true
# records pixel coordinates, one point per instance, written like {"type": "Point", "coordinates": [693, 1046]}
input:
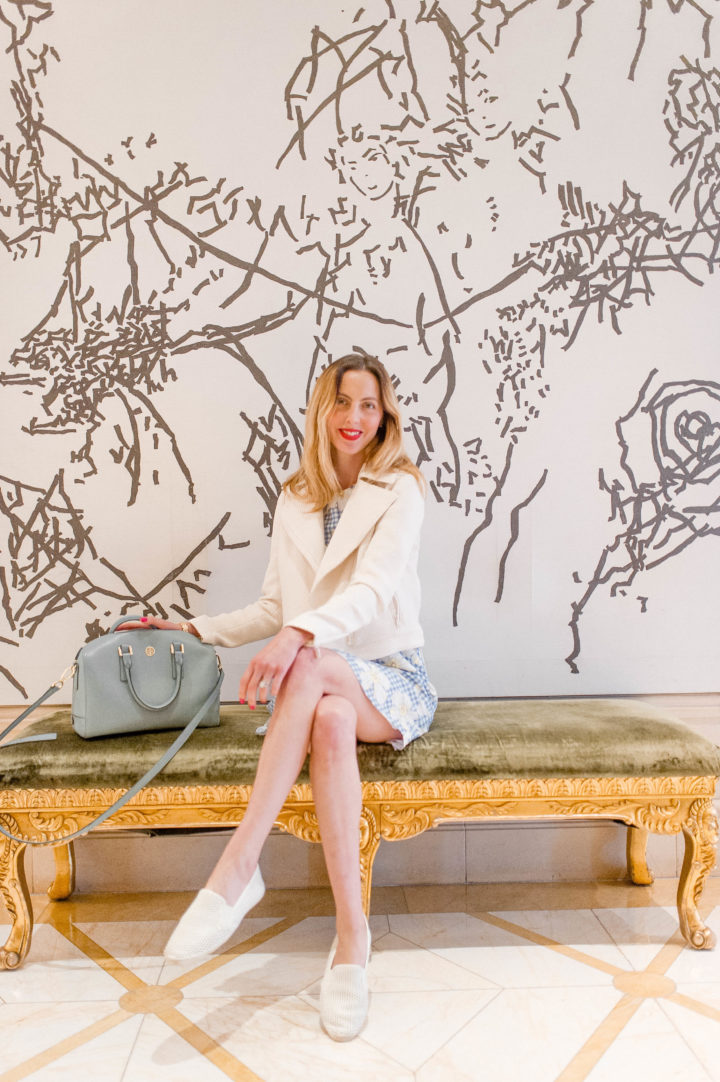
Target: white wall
{"type": "Point", "coordinates": [515, 205]}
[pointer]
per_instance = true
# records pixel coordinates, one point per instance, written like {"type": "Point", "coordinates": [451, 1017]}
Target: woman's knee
{"type": "Point", "coordinates": [320, 667]}
{"type": "Point", "coordinates": [304, 670]}
{"type": "Point", "coordinates": [334, 726]}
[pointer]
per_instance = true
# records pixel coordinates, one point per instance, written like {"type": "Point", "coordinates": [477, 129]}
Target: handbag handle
{"type": "Point", "coordinates": [147, 777]}
{"type": "Point", "coordinates": [176, 654]}
{"type": "Point", "coordinates": [125, 620]}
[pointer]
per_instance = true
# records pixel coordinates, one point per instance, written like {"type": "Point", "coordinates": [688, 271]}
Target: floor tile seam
{"type": "Point", "coordinates": [678, 1032]}
{"type": "Point", "coordinates": [206, 1046]}
{"type": "Point", "coordinates": [435, 951]}
{"type": "Point", "coordinates": [67, 1044]}
{"type": "Point", "coordinates": [606, 1032]}
{"type": "Point", "coordinates": [217, 961]}
{"type": "Point", "coordinates": [678, 945]}
{"type": "Point", "coordinates": [545, 941]}
{"type": "Point", "coordinates": [124, 1075]}
{"type": "Point", "coordinates": [453, 1036]}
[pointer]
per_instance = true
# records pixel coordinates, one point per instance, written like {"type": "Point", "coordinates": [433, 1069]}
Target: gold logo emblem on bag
{"type": "Point", "coordinates": [149, 650]}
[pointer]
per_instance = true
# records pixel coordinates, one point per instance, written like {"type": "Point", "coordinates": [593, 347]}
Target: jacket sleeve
{"type": "Point", "coordinates": [378, 571]}
{"type": "Point", "coordinates": [258, 620]}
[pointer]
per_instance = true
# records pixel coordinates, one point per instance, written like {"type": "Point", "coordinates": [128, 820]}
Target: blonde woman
{"type": "Point", "coordinates": [341, 600]}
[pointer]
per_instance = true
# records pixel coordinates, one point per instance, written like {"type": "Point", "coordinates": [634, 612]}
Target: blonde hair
{"type": "Point", "coordinates": [316, 480]}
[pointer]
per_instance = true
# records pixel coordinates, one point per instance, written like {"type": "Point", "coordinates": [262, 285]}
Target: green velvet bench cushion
{"type": "Point", "coordinates": [474, 739]}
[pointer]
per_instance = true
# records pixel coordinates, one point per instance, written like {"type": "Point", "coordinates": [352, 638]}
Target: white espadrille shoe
{"type": "Point", "coordinates": [344, 996]}
{"type": "Point", "coordinates": [209, 921]}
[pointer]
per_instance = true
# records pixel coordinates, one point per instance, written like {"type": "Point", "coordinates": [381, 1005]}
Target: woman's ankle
{"type": "Point", "coordinates": [229, 879]}
{"type": "Point", "coordinates": [352, 946]}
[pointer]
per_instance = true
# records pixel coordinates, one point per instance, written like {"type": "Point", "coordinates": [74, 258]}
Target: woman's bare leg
{"type": "Point", "coordinates": [313, 675]}
{"type": "Point", "coordinates": [337, 793]}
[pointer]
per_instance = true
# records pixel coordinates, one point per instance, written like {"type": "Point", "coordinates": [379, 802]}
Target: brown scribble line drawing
{"type": "Point", "coordinates": [40, 546]}
{"type": "Point", "coordinates": [341, 85]}
{"type": "Point", "coordinates": [482, 295]}
{"type": "Point", "coordinates": [645, 7]}
{"type": "Point", "coordinates": [216, 531]}
{"type": "Point", "coordinates": [476, 27]}
{"type": "Point", "coordinates": [515, 533]}
{"type": "Point", "coordinates": [414, 89]}
{"type": "Point", "coordinates": [447, 362]}
{"type": "Point", "coordinates": [103, 362]}
{"type": "Point", "coordinates": [15, 683]}
{"type": "Point", "coordinates": [655, 529]}
{"type": "Point", "coordinates": [569, 102]}
{"type": "Point", "coordinates": [204, 245]}
{"type": "Point", "coordinates": [225, 339]}
{"type": "Point", "coordinates": [486, 521]}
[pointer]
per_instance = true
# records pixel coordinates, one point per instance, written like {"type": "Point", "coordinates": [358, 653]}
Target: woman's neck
{"type": "Point", "coordinates": [347, 473]}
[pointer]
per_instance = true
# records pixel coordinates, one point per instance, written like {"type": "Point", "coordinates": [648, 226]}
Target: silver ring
{"type": "Point", "coordinates": [263, 684]}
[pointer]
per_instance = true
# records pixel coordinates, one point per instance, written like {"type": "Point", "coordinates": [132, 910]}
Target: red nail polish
{"type": "Point", "coordinates": [242, 702]}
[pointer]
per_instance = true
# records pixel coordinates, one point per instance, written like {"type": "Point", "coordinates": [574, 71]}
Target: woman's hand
{"type": "Point", "coordinates": [147, 622]}
{"type": "Point", "coordinates": [267, 670]}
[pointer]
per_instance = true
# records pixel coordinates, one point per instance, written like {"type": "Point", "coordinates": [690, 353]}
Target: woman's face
{"type": "Point", "coordinates": [356, 416]}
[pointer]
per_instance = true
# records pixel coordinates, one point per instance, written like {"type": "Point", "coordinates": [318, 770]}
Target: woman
{"type": "Point", "coordinates": [341, 591]}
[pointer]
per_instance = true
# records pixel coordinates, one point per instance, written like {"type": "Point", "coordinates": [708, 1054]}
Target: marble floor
{"type": "Point", "coordinates": [507, 983]}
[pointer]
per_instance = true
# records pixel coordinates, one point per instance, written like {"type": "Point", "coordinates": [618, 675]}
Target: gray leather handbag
{"type": "Point", "coordinates": [131, 682]}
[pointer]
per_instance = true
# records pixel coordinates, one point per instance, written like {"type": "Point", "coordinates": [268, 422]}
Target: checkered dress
{"type": "Point", "coordinates": [397, 685]}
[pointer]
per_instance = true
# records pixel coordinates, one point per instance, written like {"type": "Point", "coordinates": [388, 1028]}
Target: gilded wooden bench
{"type": "Point", "coordinates": [610, 759]}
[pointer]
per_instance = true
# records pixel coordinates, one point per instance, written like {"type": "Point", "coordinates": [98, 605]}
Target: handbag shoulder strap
{"type": "Point", "coordinates": [26, 713]}
{"type": "Point", "coordinates": [147, 777]}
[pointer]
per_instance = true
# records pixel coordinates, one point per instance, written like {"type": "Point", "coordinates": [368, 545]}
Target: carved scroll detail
{"type": "Point", "coordinates": [15, 895]}
{"type": "Point", "coordinates": [701, 835]}
{"type": "Point", "coordinates": [63, 884]}
{"type": "Point", "coordinates": [300, 823]}
{"type": "Point", "coordinates": [406, 822]}
{"type": "Point", "coordinates": [536, 789]}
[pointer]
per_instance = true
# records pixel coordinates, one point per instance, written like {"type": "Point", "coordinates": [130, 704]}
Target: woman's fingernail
{"type": "Point", "coordinates": [143, 619]}
{"type": "Point", "coordinates": [242, 702]}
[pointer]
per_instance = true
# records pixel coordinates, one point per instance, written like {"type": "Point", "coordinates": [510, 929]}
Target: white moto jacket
{"type": "Point", "coordinates": [361, 593]}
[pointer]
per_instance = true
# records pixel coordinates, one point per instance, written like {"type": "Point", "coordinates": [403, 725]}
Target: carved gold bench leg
{"type": "Point", "coordinates": [637, 838]}
{"type": "Point", "coordinates": [701, 834]}
{"type": "Point", "coordinates": [15, 894]}
{"type": "Point", "coordinates": [63, 884]}
{"type": "Point", "coordinates": [369, 842]}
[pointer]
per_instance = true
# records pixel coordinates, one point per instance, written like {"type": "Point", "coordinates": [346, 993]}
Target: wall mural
{"type": "Point", "coordinates": [515, 203]}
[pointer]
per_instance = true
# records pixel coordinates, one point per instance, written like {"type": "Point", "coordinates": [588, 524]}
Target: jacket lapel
{"type": "Point", "coordinates": [367, 503]}
{"type": "Point", "coordinates": [305, 528]}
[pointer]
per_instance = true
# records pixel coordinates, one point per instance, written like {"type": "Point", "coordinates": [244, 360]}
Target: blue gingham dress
{"type": "Point", "coordinates": [397, 685]}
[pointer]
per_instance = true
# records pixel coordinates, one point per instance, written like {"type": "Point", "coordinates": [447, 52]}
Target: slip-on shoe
{"type": "Point", "coordinates": [209, 921]}
{"type": "Point", "coordinates": [344, 996]}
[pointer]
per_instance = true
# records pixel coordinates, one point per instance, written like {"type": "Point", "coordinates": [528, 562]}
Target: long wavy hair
{"type": "Point", "coordinates": [316, 480]}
